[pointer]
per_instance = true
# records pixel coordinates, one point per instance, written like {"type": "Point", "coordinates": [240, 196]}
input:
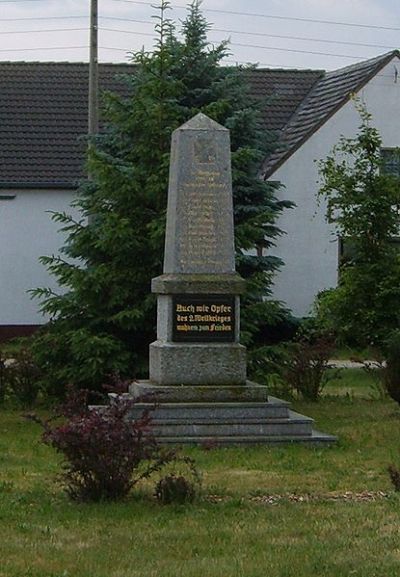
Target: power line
{"type": "Point", "coordinates": [275, 48]}
{"type": "Point", "coordinates": [117, 49]}
{"type": "Point", "coordinates": [43, 48]}
{"type": "Point", "coordinates": [127, 31]}
{"type": "Point", "coordinates": [257, 46]}
{"type": "Point", "coordinates": [252, 14]}
{"type": "Point", "coordinates": [229, 31]}
{"type": "Point", "coordinates": [298, 51]}
{"type": "Point", "coordinates": [29, 18]}
{"type": "Point", "coordinates": [49, 30]}
{"type": "Point", "coordinates": [126, 19]}
{"type": "Point", "coordinates": [302, 38]}
{"type": "Point", "coordinates": [212, 29]}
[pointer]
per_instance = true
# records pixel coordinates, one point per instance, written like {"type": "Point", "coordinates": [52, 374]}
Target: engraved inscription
{"type": "Point", "coordinates": [199, 234]}
{"type": "Point", "coordinates": [204, 233]}
{"type": "Point", "coordinates": [204, 318]}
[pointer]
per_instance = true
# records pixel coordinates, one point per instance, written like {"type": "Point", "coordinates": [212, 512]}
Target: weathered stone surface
{"type": "Point", "coordinates": [199, 233]}
{"type": "Point", "coordinates": [198, 317]}
{"type": "Point", "coordinates": [197, 363]}
{"type": "Point", "coordinates": [293, 427]}
{"type": "Point", "coordinates": [250, 392]}
{"type": "Point", "coordinates": [230, 283]}
{"type": "Point", "coordinates": [231, 423]}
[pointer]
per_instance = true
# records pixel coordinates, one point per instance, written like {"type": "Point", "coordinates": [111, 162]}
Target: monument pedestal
{"type": "Point", "coordinates": [193, 364]}
{"type": "Point", "coordinates": [198, 330]}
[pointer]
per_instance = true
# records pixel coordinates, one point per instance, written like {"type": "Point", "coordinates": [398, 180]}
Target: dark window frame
{"type": "Point", "coordinates": [390, 164]}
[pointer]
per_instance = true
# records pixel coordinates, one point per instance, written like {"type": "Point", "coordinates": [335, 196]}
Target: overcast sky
{"type": "Point", "coordinates": [326, 34]}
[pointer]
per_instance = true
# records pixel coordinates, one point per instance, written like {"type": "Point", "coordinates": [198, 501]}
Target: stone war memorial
{"type": "Point", "coordinates": [197, 364]}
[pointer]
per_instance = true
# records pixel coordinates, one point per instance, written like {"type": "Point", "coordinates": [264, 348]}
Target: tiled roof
{"type": "Point", "coordinates": [43, 113]}
{"type": "Point", "coordinates": [43, 120]}
{"type": "Point", "coordinates": [282, 91]}
{"type": "Point", "coordinates": [328, 95]}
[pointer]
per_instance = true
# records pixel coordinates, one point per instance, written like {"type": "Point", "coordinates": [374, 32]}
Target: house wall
{"type": "Point", "coordinates": [309, 248]}
{"type": "Point", "coordinates": [26, 233]}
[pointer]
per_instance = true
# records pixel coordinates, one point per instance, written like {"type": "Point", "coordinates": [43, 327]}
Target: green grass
{"type": "Point", "coordinates": [348, 353]}
{"type": "Point", "coordinates": [354, 383]}
{"type": "Point", "coordinates": [42, 534]}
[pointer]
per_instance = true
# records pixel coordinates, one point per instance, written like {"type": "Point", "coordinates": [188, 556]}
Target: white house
{"type": "Point", "coordinates": [310, 249]}
{"type": "Point", "coordinates": [43, 122]}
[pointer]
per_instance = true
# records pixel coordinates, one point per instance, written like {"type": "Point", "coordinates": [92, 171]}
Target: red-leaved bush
{"type": "Point", "coordinates": [105, 452]}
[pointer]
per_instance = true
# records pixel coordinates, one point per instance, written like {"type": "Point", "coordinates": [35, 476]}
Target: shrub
{"type": "Point", "coordinates": [394, 475]}
{"type": "Point", "coordinates": [391, 372]}
{"type": "Point", "coordinates": [2, 376]}
{"type": "Point", "coordinates": [265, 367]}
{"type": "Point", "coordinates": [179, 487]}
{"type": "Point", "coordinates": [306, 366]}
{"type": "Point", "coordinates": [175, 489]}
{"type": "Point", "coordinates": [105, 453]}
{"type": "Point", "coordinates": [362, 202]}
{"type": "Point", "coordinates": [21, 375]}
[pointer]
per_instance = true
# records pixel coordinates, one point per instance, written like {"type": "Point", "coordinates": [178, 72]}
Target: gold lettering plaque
{"type": "Point", "coordinates": [203, 318]}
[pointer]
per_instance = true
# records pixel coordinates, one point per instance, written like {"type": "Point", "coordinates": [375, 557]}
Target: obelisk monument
{"type": "Point", "coordinates": [198, 295]}
{"type": "Point", "coordinates": [197, 364]}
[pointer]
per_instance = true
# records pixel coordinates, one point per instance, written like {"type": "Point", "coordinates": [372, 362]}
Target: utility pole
{"type": "Point", "coordinates": [93, 125]}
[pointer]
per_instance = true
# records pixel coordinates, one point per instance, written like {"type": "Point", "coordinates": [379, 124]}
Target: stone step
{"type": "Point", "coordinates": [215, 412]}
{"type": "Point", "coordinates": [228, 423]}
{"type": "Point", "coordinates": [316, 437]}
{"type": "Point", "coordinates": [293, 426]}
{"type": "Point", "coordinates": [248, 392]}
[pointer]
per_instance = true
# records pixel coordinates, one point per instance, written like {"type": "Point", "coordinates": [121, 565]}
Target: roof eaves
{"type": "Point", "coordinates": [14, 185]}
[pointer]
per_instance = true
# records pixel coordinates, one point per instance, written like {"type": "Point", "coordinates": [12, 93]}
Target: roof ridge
{"type": "Point", "coordinates": [376, 59]}
{"type": "Point", "coordinates": [330, 101]}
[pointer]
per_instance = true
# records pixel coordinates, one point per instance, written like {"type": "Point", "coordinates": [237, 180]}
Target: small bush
{"type": "Point", "coordinates": [179, 487]}
{"type": "Point", "coordinates": [265, 367]}
{"type": "Point", "coordinates": [394, 475]}
{"type": "Point", "coordinates": [20, 375]}
{"type": "Point", "coordinates": [391, 372]}
{"type": "Point", "coordinates": [3, 370]}
{"type": "Point", "coordinates": [306, 366]}
{"type": "Point", "coordinates": [172, 489]}
{"type": "Point", "coordinates": [82, 357]}
{"type": "Point", "coordinates": [105, 453]}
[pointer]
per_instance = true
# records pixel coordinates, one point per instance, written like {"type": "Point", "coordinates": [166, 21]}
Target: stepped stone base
{"type": "Point", "coordinates": [222, 415]}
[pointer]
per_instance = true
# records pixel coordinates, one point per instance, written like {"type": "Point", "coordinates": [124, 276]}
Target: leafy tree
{"type": "Point", "coordinates": [105, 319]}
{"type": "Point", "coordinates": [363, 203]}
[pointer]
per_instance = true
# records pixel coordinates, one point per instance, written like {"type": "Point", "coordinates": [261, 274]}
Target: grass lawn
{"type": "Point", "coordinates": [354, 383]}
{"type": "Point", "coordinates": [266, 511]}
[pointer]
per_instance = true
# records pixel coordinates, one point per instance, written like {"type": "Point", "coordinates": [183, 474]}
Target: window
{"type": "Point", "coordinates": [391, 161]}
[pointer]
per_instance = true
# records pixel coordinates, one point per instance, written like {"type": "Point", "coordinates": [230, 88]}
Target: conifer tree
{"type": "Point", "coordinates": [105, 319]}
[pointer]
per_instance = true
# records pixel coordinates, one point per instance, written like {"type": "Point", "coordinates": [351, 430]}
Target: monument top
{"type": "Point", "coordinates": [202, 122]}
{"type": "Point", "coordinates": [199, 235]}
